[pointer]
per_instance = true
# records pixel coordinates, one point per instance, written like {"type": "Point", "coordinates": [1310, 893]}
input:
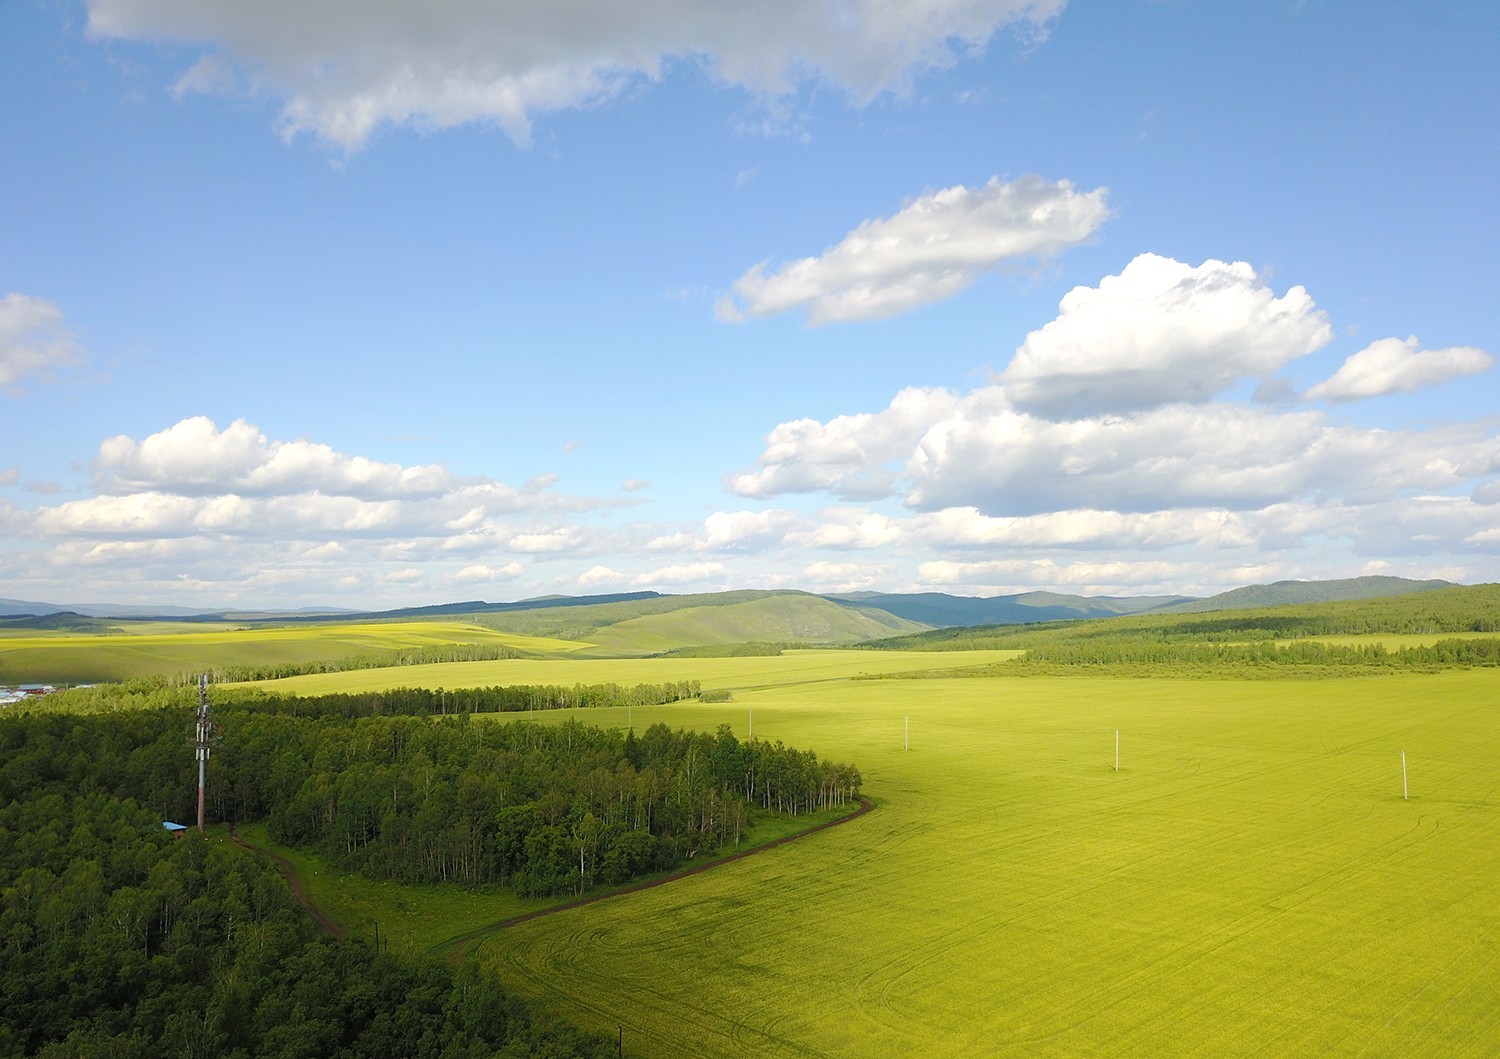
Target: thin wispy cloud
{"type": "Point", "coordinates": [35, 341]}
{"type": "Point", "coordinates": [935, 247]}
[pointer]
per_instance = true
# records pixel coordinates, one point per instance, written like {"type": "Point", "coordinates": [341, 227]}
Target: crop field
{"type": "Point", "coordinates": [144, 648]}
{"type": "Point", "coordinates": [1250, 881]}
{"type": "Point", "coordinates": [737, 675]}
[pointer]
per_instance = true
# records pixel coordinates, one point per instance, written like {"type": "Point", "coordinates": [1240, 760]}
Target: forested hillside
{"type": "Point", "coordinates": [1249, 640]}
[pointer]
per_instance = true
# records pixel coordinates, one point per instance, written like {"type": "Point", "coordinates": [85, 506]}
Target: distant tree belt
{"type": "Point", "coordinates": [1131, 656]}
{"type": "Point", "coordinates": [1444, 654]}
{"type": "Point", "coordinates": [513, 698]}
{"type": "Point", "coordinates": [750, 649]}
{"type": "Point", "coordinates": [117, 939]}
{"type": "Point", "coordinates": [407, 656]}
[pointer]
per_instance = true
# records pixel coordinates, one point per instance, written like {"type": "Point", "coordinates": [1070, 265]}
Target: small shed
{"type": "Point", "coordinates": [174, 829]}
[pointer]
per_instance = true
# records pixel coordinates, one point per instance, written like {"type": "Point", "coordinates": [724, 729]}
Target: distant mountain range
{"type": "Point", "coordinates": [932, 609]}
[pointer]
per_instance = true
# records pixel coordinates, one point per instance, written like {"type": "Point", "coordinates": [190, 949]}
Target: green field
{"type": "Point", "coordinates": [172, 648]}
{"type": "Point", "coordinates": [738, 675]}
{"type": "Point", "coordinates": [1250, 882]}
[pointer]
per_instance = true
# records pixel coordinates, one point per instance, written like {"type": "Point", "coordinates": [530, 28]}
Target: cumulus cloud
{"type": "Point", "coordinates": [850, 455]}
{"type": "Point", "coordinates": [980, 452]}
{"type": "Point", "coordinates": [1111, 408]}
{"type": "Point", "coordinates": [1083, 576]}
{"type": "Point", "coordinates": [935, 247]}
{"type": "Point", "coordinates": [823, 576]}
{"type": "Point", "coordinates": [195, 457]}
{"type": "Point", "coordinates": [344, 68]}
{"type": "Point", "coordinates": [483, 573]}
{"type": "Point", "coordinates": [1161, 332]}
{"type": "Point", "coordinates": [1006, 462]}
{"type": "Point", "coordinates": [1393, 366]}
{"type": "Point", "coordinates": [252, 515]}
{"type": "Point", "coordinates": [681, 574]}
{"type": "Point", "coordinates": [34, 340]}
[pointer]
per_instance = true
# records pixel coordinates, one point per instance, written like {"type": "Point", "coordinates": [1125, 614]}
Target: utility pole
{"type": "Point", "coordinates": [205, 733]}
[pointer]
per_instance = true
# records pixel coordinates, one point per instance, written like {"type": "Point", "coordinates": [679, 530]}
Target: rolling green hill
{"type": "Point", "coordinates": [1451, 609]}
{"type": "Point", "coordinates": [1279, 593]}
{"type": "Point", "coordinates": [777, 617]}
{"type": "Point", "coordinates": [941, 610]}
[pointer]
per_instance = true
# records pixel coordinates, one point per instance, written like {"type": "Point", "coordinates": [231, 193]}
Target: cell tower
{"type": "Point", "coordinates": [205, 734]}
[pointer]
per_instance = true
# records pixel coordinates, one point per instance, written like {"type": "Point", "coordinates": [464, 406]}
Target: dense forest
{"type": "Point", "coordinates": [118, 939]}
{"type": "Point", "coordinates": [115, 936]}
{"type": "Point", "coordinates": [542, 809]}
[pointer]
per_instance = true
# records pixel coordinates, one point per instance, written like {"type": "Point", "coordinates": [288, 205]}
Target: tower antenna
{"type": "Point", "coordinates": [205, 733]}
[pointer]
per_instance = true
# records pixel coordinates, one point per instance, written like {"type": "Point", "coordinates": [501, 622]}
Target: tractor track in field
{"type": "Point", "coordinates": [299, 891]}
{"type": "Point", "coordinates": [458, 946]}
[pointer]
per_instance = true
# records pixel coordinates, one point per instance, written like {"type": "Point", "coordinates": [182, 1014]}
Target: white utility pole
{"type": "Point", "coordinates": [1404, 795]}
{"type": "Point", "coordinates": [906, 745]}
{"type": "Point", "coordinates": [1117, 750]}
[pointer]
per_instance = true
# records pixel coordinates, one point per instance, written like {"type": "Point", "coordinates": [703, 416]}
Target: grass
{"type": "Point", "coordinates": [437, 918]}
{"type": "Point", "coordinates": [412, 919]}
{"type": "Point", "coordinates": [164, 648]}
{"type": "Point", "coordinates": [734, 674]}
{"type": "Point", "coordinates": [1250, 881]}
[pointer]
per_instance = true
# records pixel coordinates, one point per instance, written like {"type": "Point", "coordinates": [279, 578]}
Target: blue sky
{"type": "Point", "coordinates": [302, 304]}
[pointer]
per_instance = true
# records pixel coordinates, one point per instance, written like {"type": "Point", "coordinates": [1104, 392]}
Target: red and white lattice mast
{"type": "Point", "coordinates": [205, 733]}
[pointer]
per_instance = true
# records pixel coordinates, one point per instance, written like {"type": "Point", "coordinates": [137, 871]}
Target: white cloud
{"type": "Point", "coordinates": [601, 576]}
{"type": "Point", "coordinates": [34, 340]}
{"type": "Point", "coordinates": [822, 576]}
{"type": "Point", "coordinates": [850, 456]}
{"type": "Point", "coordinates": [484, 574]}
{"type": "Point", "coordinates": [193, 457]}
{"type": "Point", "coordinates": [562, 539]}
{"type": "Point", "coordinates": [935, 247]}
{"type": "Point", "coordinates": [1109, 409]}
{"type": "Point", "coordinates": [344, 68]}
{"type": "Point", "coordinates": [1081, 577]}
{"type": "Point", "coordinates": [1393, 366]}
{"type": "Point", "coordinates": [729, 531]}
{"type": "Point", "coordinates": [1001, 461]}
{"type": "Point", "coordinates": [966, 528]}
{"type": "Point", "coordinates": [681, 574]}
{"type": "Point", "coordinates": [1161, 332]}
{"type": "Point", "coordinates": [254, 515]}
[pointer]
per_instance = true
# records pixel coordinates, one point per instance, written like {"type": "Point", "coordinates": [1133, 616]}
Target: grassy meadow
{"type": "Point", "coordinates": [137, 649]}
{"type": "Point", "coordinates": [1250, 881]}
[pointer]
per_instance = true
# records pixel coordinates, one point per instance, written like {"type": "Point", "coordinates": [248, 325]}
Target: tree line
{"type": "Point", "coordinates": [405, 656]}
{"type": "Point", "coordinates": [1445, 654]}
{"type": "Point", "coordinates": [509, 698]}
